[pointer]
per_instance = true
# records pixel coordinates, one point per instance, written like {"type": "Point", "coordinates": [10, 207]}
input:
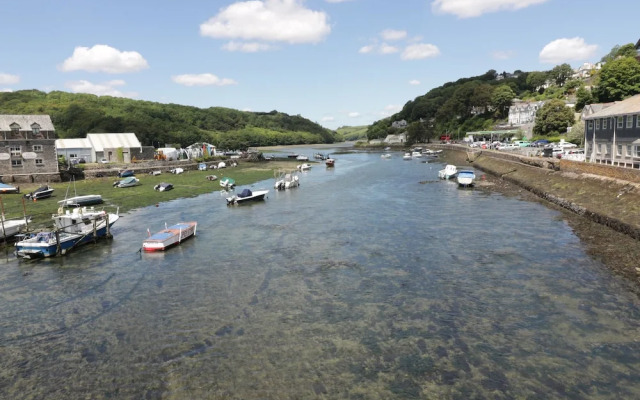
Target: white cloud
{"type": "Point", "coordinates": [100, 89]}
{"type": "Point", "coordinates": [327, 119]}
{"type": "Point", "coordinates": [387, 49]}
{"type": "Point", "coordinates": [247, 47]}
{"type": "Point", "coordinates": [202, 80]}
{"type": "Point", "coordinates": [103, 58]}
{"type": "Point", "coordinates": [367, 49]}
{"type": "Point", "coordinates": [475, 8]}
{"type": "Point", "coordinates": [6, 90]}
{"type": "Point", "coordinates": [336, 1]}
{"type": "Point", "coordinates": [268, 20]}
{"type": "Point", "coordinates": [392, 34]}
{"type": "Point", "coordinates": [414, 82]}
{"type": "Point", "coordinates": [502, 55]}
{"type": "Point", "coordinates": [420, 51]}
{"type": "Point", "coordinates": [8, 79]}
{"type": "Point", "coordinates": [354, 114]}
{"type": "Point", "coordinates": [565, 49]}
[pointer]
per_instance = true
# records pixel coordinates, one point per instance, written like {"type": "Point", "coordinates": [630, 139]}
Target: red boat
{"type": "Point", "coordinates": [330, 162]}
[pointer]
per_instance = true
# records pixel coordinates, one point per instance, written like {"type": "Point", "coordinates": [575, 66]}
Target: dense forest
{"type": "Point", "coordinates": [482, 102]}
{"type": "Point", "coordinates": [157, 124]}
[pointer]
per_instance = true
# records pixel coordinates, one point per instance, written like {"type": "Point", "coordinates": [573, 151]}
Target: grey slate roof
{"type": "Point", "coordinates": [25, 122]}
{"type": "Point", "coordinates": [624, 107]}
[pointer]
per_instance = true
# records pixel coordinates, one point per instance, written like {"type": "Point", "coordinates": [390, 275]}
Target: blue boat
{"type": "Point", "coordinates": [72, 229]}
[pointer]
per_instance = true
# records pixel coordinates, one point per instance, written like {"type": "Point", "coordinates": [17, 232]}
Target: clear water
{"type": "Point", "coordinates": [372, 280]}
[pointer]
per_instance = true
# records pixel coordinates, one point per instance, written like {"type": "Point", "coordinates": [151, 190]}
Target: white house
{"type": "Point", "coordinates": [522, 112]}
{"type": "Point", "coordinates": [396, 139]}
{"type": "Point", "coordinates": [96, 146]}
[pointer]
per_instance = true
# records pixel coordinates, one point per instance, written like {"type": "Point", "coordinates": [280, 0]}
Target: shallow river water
{"type": "Point", "coordinates": [372, 280]}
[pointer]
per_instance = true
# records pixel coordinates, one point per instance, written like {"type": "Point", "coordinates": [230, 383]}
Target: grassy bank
{"type": "Point", "coordinates": [187, 184]}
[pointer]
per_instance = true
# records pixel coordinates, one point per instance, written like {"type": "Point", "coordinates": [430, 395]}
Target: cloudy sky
{"type": "Point", "coordinates": [336, 62]}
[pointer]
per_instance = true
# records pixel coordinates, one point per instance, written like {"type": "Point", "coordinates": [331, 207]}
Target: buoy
{"type": "Point", "coordinates": [157, 205]}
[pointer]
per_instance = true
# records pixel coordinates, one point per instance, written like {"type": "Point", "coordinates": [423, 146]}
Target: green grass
{"type": "Point", "coordinates": [188, 184]}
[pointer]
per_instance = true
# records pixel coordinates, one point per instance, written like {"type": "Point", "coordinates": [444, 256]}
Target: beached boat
{"type": "Point", "coordinates": [227, 182]}
{"type": "Point", "coordinates": [176, 171]}
{"type": "Point", "coordinates": [163, 187]}
{"type": "Point", "coordinates": [11, 227]}
{"type": "Point", "coordinates": [320, 156]}
{"type": "Point", "coordinates": [169, 236]}
{"type": "Point", "coordinates": [127, 182]}
{"type": "Point", "coordinates": [211, 177]}
{"type": "Point", "coordinates": [448, 172]}
{"type": "Point", "coordinates": [416, 154]}
{"type": "Point", "coordinates": [466, 178]}
{"type": "Point", "coordinates": [330, 162]}
{"type": "Point", "coordinates": [286, 180]}
{"type": "Point", "coordinates": [72, 229]}
{"type": "Point", "coordinates": [304, 167]}
{"type": "Point", "coordinates": [81, 201]}
{"type": "Point", "coordinates": [42, 192]}
{"type": "Point", "coordinates": [407, 156]}
{"type": "Point", "coordinates": [202, 167]}
{"type": "Point", "coordinates": [247, 196]}
{"type": "Point", "coordinates": [8, 189]}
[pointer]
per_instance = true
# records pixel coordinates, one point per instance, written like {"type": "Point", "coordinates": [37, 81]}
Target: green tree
{"type": "Point", "coordinates": [560, 73]}
{"type": "Point", "coordinates": [627, 50]}
{"type": "Point", "coordinates": [537, 79]}
{"type": "Point", "coordinates": [583, 97]}
{"type": "Point", "coordinates": [481, 96]}
{"type": "Point", "coordinates": [501, 100]}
{"type": "Point", "coordinates": [619, 78]}
{"type": "Point", "coordinates": [576, 135]}
{"type": "Point", "coordinates": [416, 133]}
{"type": "Point", "coordinates": [553, 117]}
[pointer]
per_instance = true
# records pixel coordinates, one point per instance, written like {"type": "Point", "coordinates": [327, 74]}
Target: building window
{"type": "Point", "coordinates": [619, 153]}
{"type": "Point", "coordinates": [620, 122]}
{"type": "Point", "coordinates": [599, 148]}
{"type": "Point", "coordinates": [590, 125]}
{"type": "Point", "coordinates": [39, 162]}
{"type": "Point", "coordinates": [37, 148]}
{"type": "Point", "coordinates": [608, 149]}
{"type": "Point", "coordinates": [629, 154]}
{"type": "Point", "coordinates": [629, 121]}
{"type": "Point", "coordinates": [16, 163]}
{"type": "Point", "coordinates": [637, 151]}
{"type": "Point", "coordinates": [15, 150]}
{"type": "Point", "coordinates": [604, 123]}
{"type": "Point", "coordinates": [597, 124]}
{"type": "Point", "coordinates": [637, 120]}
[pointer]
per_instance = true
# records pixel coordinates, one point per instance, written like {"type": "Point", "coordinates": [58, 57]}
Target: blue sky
{"type": "Point", "coordinates": [336, 62]}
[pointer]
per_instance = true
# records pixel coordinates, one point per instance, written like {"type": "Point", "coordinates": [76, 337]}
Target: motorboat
{"type": "Point", "coordinates": [169, 236]}
{"type": "Point", "coordinates": [155, 172]}
{"type": "Point", "coordinates": [8, 189]}
{"type": "Point", "coordinates": [286, 180]}
{"type": "Point", "coordinates": [448, 172]}
{"type": "Point", "coordinates": [416, 154]}
{"type": "Point", "coordinates": [302, 158]}
{"type": "Point", "coordinates": [202, 167]}
{"type": "Point", "coordinates": [163, 187]}
{"type": "Point", "coordinates": [330, 162]}
{"type": "Point", "coordinates": [71, 229]}
{"type": "Point", "coordinates": [81, 201]}
{"type": "Point", "coordinates": [407, 156]}
{"type": "Point", "coordinates": [466, 178]}
{"type": "Point", "coordinates": [320, 156]}
{"type": "Point", "coordinates": [211, 177]}
{"type": "Point", "coordinates": [127, 182]}
{"type": "Point", "coordinates": [386, 156]}
{"type": "Point", "coordinates": [11, 227]}
{"type": "Point", "coordinates": [304, 167]}
{"type": "Point", "coordinates": [247, 196]}
{"type": "Point", "coordinates": [125, 173]}
{"type": "Point", "coordinates": [42, 192]}
{"type": "Point", "coordinates": [227, 183]}
{"type": "Point", "coordinates": [176, 170]}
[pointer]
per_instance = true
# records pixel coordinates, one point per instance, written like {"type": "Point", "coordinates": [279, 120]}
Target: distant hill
{"type": "Point", "coordinates": [352, 133]}
{"type": "Point", "coordinates": [157, 124]}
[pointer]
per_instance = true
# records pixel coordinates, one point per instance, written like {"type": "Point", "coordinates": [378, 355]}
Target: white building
{"type": "Point", "coordinates": [114, 147]}
{"type": "Point", "coordinates": [521, 112]}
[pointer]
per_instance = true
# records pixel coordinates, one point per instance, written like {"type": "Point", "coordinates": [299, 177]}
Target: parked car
{"type": "Point", "coordinates": [125, 173]}
{"type": "Point", "coordinates": [508, 146]}
{"type": "Point", "coordinates": [539, 143]}
{"type": "Point", "coordinates": [81, 161]}
{"type": "Point", "coordinates": [103, 161]}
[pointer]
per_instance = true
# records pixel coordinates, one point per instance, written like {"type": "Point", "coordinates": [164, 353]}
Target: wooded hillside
{"type": "Point", "coordinates": [157, 124]}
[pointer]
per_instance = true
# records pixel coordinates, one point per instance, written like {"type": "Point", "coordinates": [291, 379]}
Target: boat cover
{"type": "Point", "coordinates": [245, 193]}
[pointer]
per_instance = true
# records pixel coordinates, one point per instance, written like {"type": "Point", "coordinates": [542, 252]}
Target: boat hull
{"type": "Point", "coordinates": [170, 236]}
{"type": "Point", "coordinates": [82, 201]}
{"type": "Point", "coordinates": [256, 196]}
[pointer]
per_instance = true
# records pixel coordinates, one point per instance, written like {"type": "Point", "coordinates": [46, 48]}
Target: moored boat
{"type": "Point", "coordinates": [11, 227]}
{"type": "Point", "coordinates": [448, 172]}
{"type": "Point", "coordinates": [246, 196]}
{"type": "Point", "coordinates": [72, 229]}
{"type": "Point", "coordinates": [466, 178]}
{"type": "Point", "coordinates": [227, 182]}
{"type": "Point", "coordinates": [304, 167]}
{"type": "Point", "coordinates": [81, 201]}
{"type": "Point", "coordinates": [286, 180]}
{"type": "Point", "coordinates": [170, 236]}
{"type": "Point", "coordinates": [42, 192]}
{"type": "Point", "coordinates": [127, 182]}
{"type": "Point", "coordinates": [8, 189]}
{"type": "Point", "coordinates": [163, 187]}
{"type": "Point", "coordinates": [331, 162]}
{"type": "Point", "coordinates": [407, 156]}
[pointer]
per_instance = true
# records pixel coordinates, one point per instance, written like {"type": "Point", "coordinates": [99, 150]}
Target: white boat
{"type": "Point", "coordinates": [169, 236]}
{"type": "Point", "coordinates": [7, 189]}
{"type": "Point", "coordinates": [42, 192]}
{"type": "Point", "coordinates": [302, 158]}
{"type": "Point", "coordinates": [304, 167]}
{"type": "Point", "coordinates": [72, 228]}
{"type": "Point", "coordinates": [386, 156]}
{"type": "Point", "coordinates": [227, 183]}
{"type": "Point", "coordinates": [11, 227]}
{"type": "Point", "coordinates": [466, 178]}
{"type": "Point", "coordinates": [127, 182]}
{"type": "Point", "coordinates": [81, 201]}
{"type": "Point", "coordinates": [416, 154]}
{"type": "Point", "coordinates": [448, 172]}
{"type": "Point", "coordinates": [246, 196]}
{"type": "Point", "coordinates": [407, 156]}
{"type": "Point", "coordinates": [286, 180]}
{"type": "Point", "coordinates": [163, 187]}
{"type": "Point", "coordinates": [176, 170]}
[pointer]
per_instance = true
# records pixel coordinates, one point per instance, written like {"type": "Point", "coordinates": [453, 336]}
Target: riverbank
{"type": "Point", "coordinates": [603, 212]}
